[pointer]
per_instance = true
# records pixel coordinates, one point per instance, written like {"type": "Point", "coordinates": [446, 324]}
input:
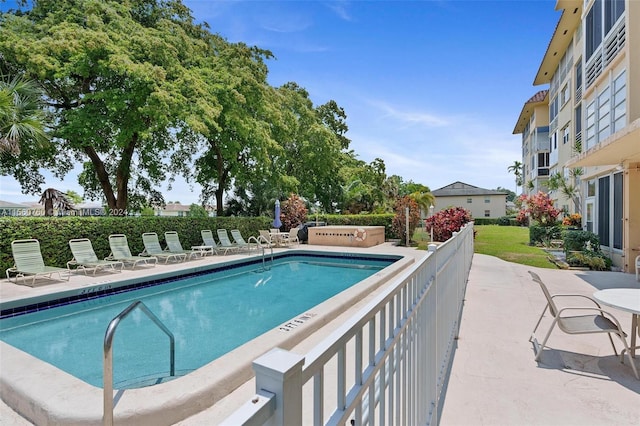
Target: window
{"type": "Point", "coordinates": [469, 200]}
{"type": "Point", "coordinates": [604, 215]}
{"type": "Point", "coordinates": [553, 109]}
{"type": "Point", "coordinates": [487, 213]}
{"type": "Point", "coordinates": [578, 80]}
{"type": "Point", "coordinates": [543, 164]}
{"type": "Point", "coordinates": [578, 119]}
{"type": "Point", "coordinates": [564, 94]}
{"type": "Point", "coordinates": [617, 210]}
{"type": "Point", "coordinates": [589, 218]}
{"type": "Point", "coordinates": [603, 112]}
{"type": "Point", "coordinates": [487, 200]}
{"type": "Point", "coordinates": [613, 9]}
{"type": "Point", "coordinates": [590, 124]}
{"type": "Point", "coordinates": [619, 101]}
{"type": "Point", "coordinates": [591, 188]}
{"type": "Point", "coordinates": [593, 29]}
{"type": "Point", "coordinates": [565, 135]}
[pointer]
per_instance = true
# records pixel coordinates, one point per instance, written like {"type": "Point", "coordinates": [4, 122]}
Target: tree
{"type": "Point", "coordinates": [53, 199]}
{"type": "Point", "coordinates": [22, 116]}
{"type": "Point", "coordinates": [516, 169]}
{"type": "Point", "coordinates": [511, 196]}
{"type": "Point", "coordinates": [118, 78]}
{"type": "Point", "coordinates": [196, 210]}
{"type": "Point", "coordinates": [237, 144]}
{"type": "Point", "coordinates": [74, 197]}
{"type": "Point", "coordinates": [567, 186]}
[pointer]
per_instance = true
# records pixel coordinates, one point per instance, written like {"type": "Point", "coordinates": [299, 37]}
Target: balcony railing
{"type": "Point", "coordinates": [386, 365]}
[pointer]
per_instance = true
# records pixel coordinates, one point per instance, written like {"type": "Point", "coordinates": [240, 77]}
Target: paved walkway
{"type": "Point", "coordinates": [495, 380]}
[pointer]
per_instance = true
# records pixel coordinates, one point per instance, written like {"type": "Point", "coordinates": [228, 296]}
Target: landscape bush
{"type": "Point", "coordinates": [445, 222]}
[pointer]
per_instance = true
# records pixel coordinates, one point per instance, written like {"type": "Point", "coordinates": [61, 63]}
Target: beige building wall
{"type": "Point", "coordinates": [493, 206]}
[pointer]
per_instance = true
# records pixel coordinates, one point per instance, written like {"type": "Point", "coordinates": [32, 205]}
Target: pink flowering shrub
{"type": "Point", "coordinates": [446, 222]}
{"type": "Point", "coordinates": [539, 208]}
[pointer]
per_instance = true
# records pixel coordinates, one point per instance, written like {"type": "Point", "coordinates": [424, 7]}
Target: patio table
{"type": "Point", "coordinates": [279, 238]}
{"type": "Point", "coordinates": [625, 299]}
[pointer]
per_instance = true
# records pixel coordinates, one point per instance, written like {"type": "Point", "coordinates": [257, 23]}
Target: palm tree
{"type": "Point", "coordinates": [516, 169]}
{"type": "Point", "coordinates": [22, 117]}
{"type": "Point", "coordinates": [52, 198]}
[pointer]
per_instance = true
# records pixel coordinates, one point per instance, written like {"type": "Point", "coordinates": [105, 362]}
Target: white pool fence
{"type": "Point", "coordinates": [388, 364]}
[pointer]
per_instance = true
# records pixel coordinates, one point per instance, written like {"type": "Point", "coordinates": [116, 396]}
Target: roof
{"type": "Point", "coordinates": [10, 205]}
{"type": "Point", "coordinates": [540, 98]}
{"type": "Point", "coordinates": [562, 36]}
{"type": "Point", "coordinates": [458, 189]}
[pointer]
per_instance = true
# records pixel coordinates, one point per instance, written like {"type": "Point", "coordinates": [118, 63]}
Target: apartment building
{"type": "Point", "coordinates": [592, 67]}
{"type": "Point", "coordinates": [479, 201]}
{"type": "Point", "coordinates": [533, 125]}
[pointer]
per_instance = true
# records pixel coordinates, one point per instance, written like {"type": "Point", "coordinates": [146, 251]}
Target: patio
{"type": "Point", "coordinates": [494, 378]}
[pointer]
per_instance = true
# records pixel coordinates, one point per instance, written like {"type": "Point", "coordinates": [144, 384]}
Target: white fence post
{"type": "Point", "coordinates": [280, 372]}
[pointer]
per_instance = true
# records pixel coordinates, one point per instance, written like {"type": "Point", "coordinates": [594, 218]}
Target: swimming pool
{"type": "Point", "coordinates": [209, 315]}
{"type": "Point", "coordinates": [67, 400]}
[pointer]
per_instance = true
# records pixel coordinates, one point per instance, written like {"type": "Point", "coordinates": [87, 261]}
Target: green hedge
{"type": "Point", "coordinates": [502, 221]}
{"type": "Point", "coordinates": [54, 233]}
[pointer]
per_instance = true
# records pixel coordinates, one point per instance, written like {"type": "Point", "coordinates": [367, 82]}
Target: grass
{"type": "Point", "coordinates": [510, 243]}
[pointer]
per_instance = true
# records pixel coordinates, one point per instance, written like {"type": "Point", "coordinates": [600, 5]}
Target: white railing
{"type": "Point", "coordinates": [385, 365]}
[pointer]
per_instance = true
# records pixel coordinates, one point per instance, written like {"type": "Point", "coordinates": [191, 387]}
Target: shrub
{"type": "Point", "coordinates": [293, 213]}
{"type": "Point", "coordinates": [572, 220]}
{"type": "Point", "coordinates": [504, 221]}
{"type": "Point", "coordinates": [580, 241]}
{"type": "Point", "coordinates": [540, 208]}
{"type": "Point", "coordinates": [446, 222]}
{"type": "Point", "coordinates": [398, 225]}
{"type": "Point", "coordinates": [544, 234]}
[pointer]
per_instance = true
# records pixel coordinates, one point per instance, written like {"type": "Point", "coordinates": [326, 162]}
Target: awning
{"type": "Point", "coordinates": [622, 146]}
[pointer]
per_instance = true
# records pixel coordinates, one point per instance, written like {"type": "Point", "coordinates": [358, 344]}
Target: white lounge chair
{"type": "Point", "coordinates": [225, 242]}
{"type": "Point", "coordinates": [241, 242]}
{"type": "Point", "coordinates": [28, 262]}
{"type": "Point", "coordinates": [152, 248]}
{"type": "Point", "coordinates": [120, 251]}
{"type": "Point", "coordinates": [84, 257]}
{"type": "Point", "coordinates": [174, 246]}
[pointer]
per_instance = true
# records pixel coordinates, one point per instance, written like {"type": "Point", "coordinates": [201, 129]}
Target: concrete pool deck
{"type": "Point", "coordinates": [23, 376]}
{"type": "Point", "coordinates": [494, 378]}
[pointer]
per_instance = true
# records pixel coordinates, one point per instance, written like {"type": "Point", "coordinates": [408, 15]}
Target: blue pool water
{"type": "Point", "coordinates": [209, 315]}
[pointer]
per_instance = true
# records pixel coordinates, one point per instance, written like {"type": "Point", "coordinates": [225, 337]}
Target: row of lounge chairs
{"type": "Point", "coordinates": [30, 264]}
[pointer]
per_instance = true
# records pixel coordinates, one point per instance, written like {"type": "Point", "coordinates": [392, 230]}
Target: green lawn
{"type": "Point", "coordinates": [510, 243]}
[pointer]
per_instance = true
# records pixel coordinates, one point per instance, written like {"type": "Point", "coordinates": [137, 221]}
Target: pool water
{"type": "Point", "coordinates": [209, 315]}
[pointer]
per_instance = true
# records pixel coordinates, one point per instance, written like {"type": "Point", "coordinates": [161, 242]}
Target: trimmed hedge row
{"type": "Point", "coordinates": [54, 233]}
{"type": "Point", "coordinates": [502, 221]}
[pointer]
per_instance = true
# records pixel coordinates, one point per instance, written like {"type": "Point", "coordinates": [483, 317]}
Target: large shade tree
{"type": "Point", "coordinates": [116, 75]}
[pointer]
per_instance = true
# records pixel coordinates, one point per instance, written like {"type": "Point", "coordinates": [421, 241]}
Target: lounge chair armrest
{"type": "Point", "coordinates": [602, 312]}
{"type": "Point", "coordinates": [577, 295]}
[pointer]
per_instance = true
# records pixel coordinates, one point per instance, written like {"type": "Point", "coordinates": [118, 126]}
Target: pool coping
{"type": "Point", "coordinates": [70, 401]}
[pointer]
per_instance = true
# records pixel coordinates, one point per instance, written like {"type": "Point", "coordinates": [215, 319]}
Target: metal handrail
{"type": "Point", "coordinates": [107, 416]}
{"type": "Point", "coordinates": [259, 241]}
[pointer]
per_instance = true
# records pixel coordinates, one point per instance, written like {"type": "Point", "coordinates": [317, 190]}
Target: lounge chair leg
{"type": "Point", "coordinates": [544, 342]}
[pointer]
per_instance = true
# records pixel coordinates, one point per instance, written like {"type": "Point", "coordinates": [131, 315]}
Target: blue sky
{"type": "Point", "coordinates": [434, 88]}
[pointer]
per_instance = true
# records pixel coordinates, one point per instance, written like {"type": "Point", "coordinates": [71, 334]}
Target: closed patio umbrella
{"type": "Point", "coordinates": [276, 218]}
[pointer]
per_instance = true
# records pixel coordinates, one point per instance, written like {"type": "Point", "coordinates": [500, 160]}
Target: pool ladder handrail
{"type": "Point", "coordinates": [259, 242]}
{"type": "Point", "coordinates": [107, 416]}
